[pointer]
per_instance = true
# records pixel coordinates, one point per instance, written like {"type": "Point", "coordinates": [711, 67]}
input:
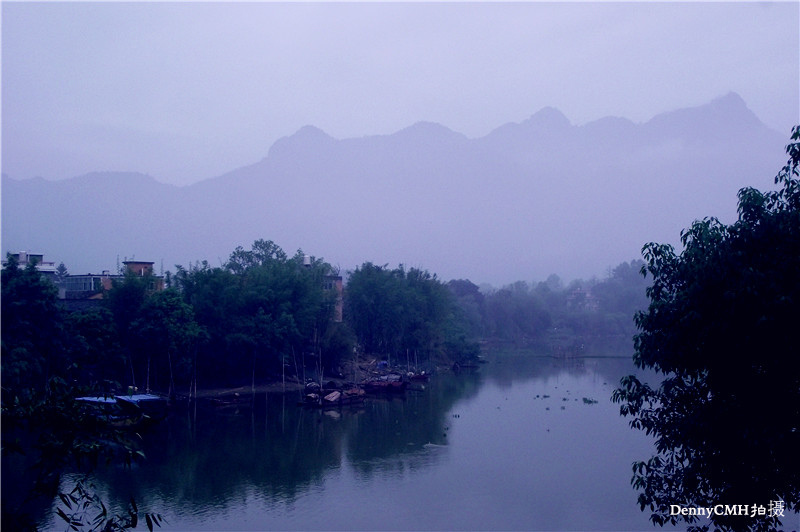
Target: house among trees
{"type": "Point", "coordinates": [82, 291]}
{"type": "Point", "coordinates": [143, 269]}
{"type": "Point", "coordinates": [78, 292]}
{"type": "Point", "coordinates": [92, 285]}
{"type": "Point", "coordinates": [331, 283]}
{"type": "Point", "coordinates": [48, 269]}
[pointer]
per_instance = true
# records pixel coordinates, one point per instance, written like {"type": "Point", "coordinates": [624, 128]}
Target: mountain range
{"type": "Point", "coordinates": [529, 199]}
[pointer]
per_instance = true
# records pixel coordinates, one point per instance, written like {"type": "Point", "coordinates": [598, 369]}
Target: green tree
{"type": "Point", "coordinates": [166, 329]}
{"type": "Point", "coordinates": [395, 313]}
{"type": "Point", "coordinates": [61, 273]}
{"type": "Point", "coordinates": [428, 305]}
{"type": "Point", "coordinates": [94, 346]}
{"type": "Point", "coordinates": [374, 308]}
{"type": "Point", "coordinates": [262, 253]}
{"type": "Point", "coordinates": [721, 327]}
{"type": "Point", "coordinates": [213, 295]}
{"type": "Point", "coordinates": [33, 336]}
{"type": "Point", "coordinates": [260, 310]}
{"type": "Point", "coordinates": [125, 300]}
{"type": "Point", "coordinates": [49, 359]}
{"type": "Point", "coordinates": [516, 313]}
{"type": "Point", "coordinates": [620, 297]}
{"type": "Point", "coordinates": [282, 307]}
{"type": "Point", "coordinates": [472, 302]}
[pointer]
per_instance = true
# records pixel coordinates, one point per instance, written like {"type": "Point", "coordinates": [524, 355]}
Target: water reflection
{"type": "Point", "coordinates": [510, 446]}
{"type": "Point", "coordinates": [207, 458]}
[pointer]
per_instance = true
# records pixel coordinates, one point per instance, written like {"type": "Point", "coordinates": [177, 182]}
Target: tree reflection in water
{"type": "Point", "coordinates": [206, 457]}
{"type": "Point", "coordinates": [510, 436]}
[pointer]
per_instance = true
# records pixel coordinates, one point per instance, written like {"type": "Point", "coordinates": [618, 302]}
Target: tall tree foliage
{"type": "Point", "coordinates": [168, 335]}
{"type": "Point", "coordinates": [48, 359]}
{"type": "Point", "coordinates": [125, 301]}
{"type": "Point", "coordinates": [33, 338]}
{"type": "Point", "coordinates": [95, 348]}
{"type": "Point", "coordinates": [721, 328]}
{"type": "Point", "coordinates": [517, 313]}
{"type": "Point", "coordinates": [471, 301]}
{"type": "Point", "coordinates": [259, 309]}
{"type": "Point", "coordinates": [374, 308]}
{"type": "Point", "coordinates": [397, 311]}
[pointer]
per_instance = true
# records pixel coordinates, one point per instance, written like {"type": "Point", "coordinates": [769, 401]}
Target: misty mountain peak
{"type": "Point", "coordinates": [725, 112]}
{"type": "Point", "coordinates": [531, 198]}
{"type": "Point", "coordinates": [425, 126]}
{"type": "Point", "coordinates": [731, 101]}
{"type": "Point", "coordinates": [427, 132]}
{"type": "Point", "coordinates": [547, 123]}
{"type": "Point", "coordinates": [311, 132]}
{"type": "Point", "coordinates": [307, 137]}
{"type": "Point", "coordinates": [549, 118]}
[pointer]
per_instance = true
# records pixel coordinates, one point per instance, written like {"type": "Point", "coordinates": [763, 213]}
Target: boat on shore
{"type": "Point", "coordinates": [108, 411]}
{"type": "Point", "coordinates": [125, 411]}
{"type": "Point", "coordinates": [155, 407]}
{"type": "Point", "coordinates": [335, 399]}
{"type": "Point", "coordinates": [391, 383]}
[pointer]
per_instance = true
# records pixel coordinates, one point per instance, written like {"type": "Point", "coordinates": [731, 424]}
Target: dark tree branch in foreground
{"type": "Point", "coordinates": [721, 328]}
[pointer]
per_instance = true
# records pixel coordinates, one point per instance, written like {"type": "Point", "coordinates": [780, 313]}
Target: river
{"type": "Point", "coordinates": [523, 443]}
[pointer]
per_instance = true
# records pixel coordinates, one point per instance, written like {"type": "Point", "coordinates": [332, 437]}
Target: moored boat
{"type": "Point", "coordinates": [336, 398]}
{"type": "Point", "coordinates": [125, 411]}
{"type": "Point", "coordinates": [385, 386]}
{"type": "Point", "coordinates": [108, 411]}
{"type": "Point", "coordinates": [153, 406]}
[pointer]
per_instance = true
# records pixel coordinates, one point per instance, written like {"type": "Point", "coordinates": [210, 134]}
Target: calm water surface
{"type": "Point", "coordinates": [513, 446]}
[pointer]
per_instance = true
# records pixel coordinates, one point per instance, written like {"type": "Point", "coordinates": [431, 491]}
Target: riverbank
{"type": "Point", "coordinates": [271, 387]}
{"type": "Point", "coordinates": [358, 373]}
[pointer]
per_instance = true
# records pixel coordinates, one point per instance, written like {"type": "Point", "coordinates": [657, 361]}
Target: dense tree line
{"type": "Point", "coordinates": [260, 315]}
{"type": "Point", "coordinates": [221, 326]}
{"type": "Point", "coordinates": [35, 335]}
{"type": "Point", "coordinates": [260, 311]}
{"type": "Point", "coordinates": [406, 316]}
{"type": "Point", "coordinates": [246, 321]}
{"type": "Point", "coordinates": [550, 314]}
{"type": "Point", "coordinates": [263, 313]}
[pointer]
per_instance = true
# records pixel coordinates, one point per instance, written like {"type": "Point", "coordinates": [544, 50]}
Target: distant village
{"type": "Point", "coordinates": [85, 291]}
{"type": "Point", "coordinates": [78, 292]}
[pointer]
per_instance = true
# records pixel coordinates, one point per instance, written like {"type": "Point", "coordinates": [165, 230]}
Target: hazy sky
{"type": "Point", "coordinates": [188, 91]}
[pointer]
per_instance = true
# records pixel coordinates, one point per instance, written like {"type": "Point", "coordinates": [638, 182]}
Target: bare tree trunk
{"type": "Point", "coordinates": [171, 379]}
{"type": "Point", "coordinates": [133, 375]}
{"type": "Point", "coordinates": [296, 370]}
{"type": "Point", "coordinates": [253, 381]}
